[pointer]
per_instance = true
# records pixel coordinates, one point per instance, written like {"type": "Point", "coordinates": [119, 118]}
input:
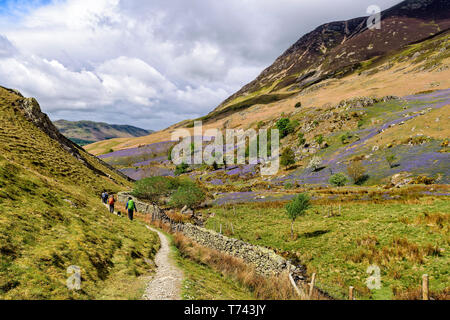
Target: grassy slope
{"type": "Point", "coordinates": [51, 218]}
{"type": "Point", "coordinates": [340, 249]}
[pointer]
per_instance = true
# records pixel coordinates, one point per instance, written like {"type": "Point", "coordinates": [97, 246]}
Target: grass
{"type": "Point", "coordinates": [51, 218]}
{"type": "Point", "coordinates": [394, 235]}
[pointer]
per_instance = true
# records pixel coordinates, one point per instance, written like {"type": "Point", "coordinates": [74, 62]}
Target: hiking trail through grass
{"type": "Point", "coordinates": [166, 283]}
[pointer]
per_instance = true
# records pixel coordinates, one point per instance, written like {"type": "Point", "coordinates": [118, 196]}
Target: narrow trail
{"type": "Point", "coordinates": [166, 284]}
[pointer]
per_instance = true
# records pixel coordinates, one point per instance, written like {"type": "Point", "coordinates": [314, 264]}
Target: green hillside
{"type": "Point", "coordinates": [86, 132]}
{"type": "Point", "coordinates": [51, 218]}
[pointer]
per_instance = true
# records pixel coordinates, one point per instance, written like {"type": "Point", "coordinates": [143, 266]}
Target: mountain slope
{"type": "Point", "coordinates": [336, 62]}
{"type": "Point", "coordinates": [51, 217]}
{"type": "Point", "coordinates": [85, 132]}
{"type": "Point", "coordinates": [337, 48]}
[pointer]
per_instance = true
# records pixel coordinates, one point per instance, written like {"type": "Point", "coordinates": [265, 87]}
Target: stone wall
{"type": "Point", "coordinates": [141, 207]}
{"type": "Point", "coordinates": [266, 261]}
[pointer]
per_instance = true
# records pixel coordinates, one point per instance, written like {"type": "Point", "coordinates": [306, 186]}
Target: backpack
{"type": "Point", "coordinates": [111, 200]}
{"type": "Point", "coordinates": [130, 205]}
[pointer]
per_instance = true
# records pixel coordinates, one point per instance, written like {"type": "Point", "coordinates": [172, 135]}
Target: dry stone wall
{"type": "Point", "coordinates": [266, 261]}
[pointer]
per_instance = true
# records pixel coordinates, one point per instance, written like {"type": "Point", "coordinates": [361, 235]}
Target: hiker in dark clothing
{"type": "Point", "coordinates": [131, 207]}
{"type": "Point", "coordinates": [105, 197]}
{"type": "Point", "coordinates": [111, 203]}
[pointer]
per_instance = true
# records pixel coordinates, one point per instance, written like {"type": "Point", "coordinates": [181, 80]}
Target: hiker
{"type": "Point", "coordinates": [105, 197]}
{"type": "Point", "coordinates": [111, 202]}
{"type": "Point", "coordinates": [131, 207]}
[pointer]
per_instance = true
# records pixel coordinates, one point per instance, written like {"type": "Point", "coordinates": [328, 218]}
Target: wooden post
{"type": "Point", "coordinates": [234, 210]}
{"type": "Point", "coordinates": [232, 229]}
{"type": "Point", "coordinates": [339, 209]}
{"type": "Point", "coordinates": [425, 292]}
{"type": "Point", "coordinates": [220, 229]}
{"type": "Point", "coordinates": [311, 285]}
{"type": "Point", "coordinates": [350, 293]}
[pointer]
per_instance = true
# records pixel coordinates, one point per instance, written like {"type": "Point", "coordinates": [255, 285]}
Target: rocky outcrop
{"type": "Point", "coordinates": [32, 112]}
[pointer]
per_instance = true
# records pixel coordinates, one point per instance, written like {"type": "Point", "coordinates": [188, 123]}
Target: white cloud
{"type": "Point", "coordinates": [150, 63]}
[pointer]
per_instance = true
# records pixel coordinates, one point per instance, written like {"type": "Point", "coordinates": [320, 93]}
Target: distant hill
{"type": "Point", "coordinates": [86, 132]}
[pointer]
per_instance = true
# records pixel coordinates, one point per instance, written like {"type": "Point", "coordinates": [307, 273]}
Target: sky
{"type": "Point", "coordinates": [150, 63]}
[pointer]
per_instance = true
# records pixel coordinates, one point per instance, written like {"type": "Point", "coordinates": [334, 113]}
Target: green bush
{"type": "Point", "coordinates": [154, 188]}
{"type": "Point", "coordinates": [297, 207]}
{"type": "Point", "coordinates": [391, 158]}
{"type": "Point", "coordinates": [345, 137]}
{"type": "Point", "coordinates": [188, 194]}
{"type": "Point", "coordinates": [338, 180]}
{"type": "Point", "coordinates": [357, 172]}
{"type": "Point", "coordinates": [301, 139]}
{"type": "Point", "coordinates": [282, 126]}
{"type": "Point", "coordinates": [319, 139]}
{"type": "Point", "coordinates": [169, 154]}
{"type": "Point", "coordinates": [182, 168]}
{"type": "Point", "coordinates": [287, 157]}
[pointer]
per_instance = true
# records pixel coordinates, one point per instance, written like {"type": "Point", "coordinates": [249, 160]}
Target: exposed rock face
{"type": "Point", "coordinates": [401, 179]}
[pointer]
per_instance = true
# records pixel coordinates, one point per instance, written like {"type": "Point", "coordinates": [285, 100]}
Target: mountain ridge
{"type": "Point", "coordinates": [85, 132]}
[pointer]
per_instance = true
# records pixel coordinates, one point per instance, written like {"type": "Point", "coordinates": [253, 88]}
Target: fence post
{"type": "Point", "coordinates": [311, 285]}
{"type": "Point", "coordinates": [425, 292]}
{"type": "Point", "coordinates": [350, 293]}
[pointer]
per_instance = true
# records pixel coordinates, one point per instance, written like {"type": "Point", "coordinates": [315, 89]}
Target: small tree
{"type": "Point", "coordinates": [338, 180]}
{"type": "Point", "coordinates": [188, 194]}
{"type": "Point", "coordinates": [301, 139]}
{"type": "Point", "coordinates": [391, 158]}
{"type": "Point", "coordinates": [282, 126]}
{"type": "Point", "coordinates": [182, 168]}
{"type": "Point", "coordinates": [319, 139]}
{"type": "Point", "coordinates": [287, 157]}
{"type": "Point", "coordinates": [315, 163]}
{"type": "Point", "coordinates": [357, 172]}
{"type": "Point", "coordinates": [296, 208]}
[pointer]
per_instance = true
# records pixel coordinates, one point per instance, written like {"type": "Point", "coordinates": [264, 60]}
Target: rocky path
{"type": "Point", "coordinates": [166, 284]}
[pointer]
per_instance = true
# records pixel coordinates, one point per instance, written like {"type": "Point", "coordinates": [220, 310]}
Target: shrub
{"type": "Point", "coordinates": [287, 157]}
{"type": "Point", "coordinates": [301, 139]}
{"type": "Point", "coordinates": [345, 137]}
{"type": "Point", "coordinates": [182, 168]}
{"type": "Point", "coordinates": [169, 155]}
{"type": "Point", "coordinates": [188, 194]}
{"type": "Point", "coordinates": [357, 172]}
{"type": "Point", "coordinates": [154, 188]}
{"type": "Point", "coordinates": [338, 180]}
{"type": "Point", "coordinates": [296, 208]}
{"type": "Point", "coordinates": [390, 158]}
{"type": "Point", "coordinates": [282, 126]}
{"type": "Point", "coordinates": [319, 139]}
{"type": "Point", "coordinates": [288, 185]}
{"type": "Point", "coordinates": [315, 163]}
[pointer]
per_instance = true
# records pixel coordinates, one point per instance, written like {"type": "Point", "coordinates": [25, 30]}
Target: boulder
{"type": "Point", "coordinates": [401, 179]}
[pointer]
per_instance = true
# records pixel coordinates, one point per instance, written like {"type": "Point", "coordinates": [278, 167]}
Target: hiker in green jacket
{"type": "Point", "coordinates": [131, 207]}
